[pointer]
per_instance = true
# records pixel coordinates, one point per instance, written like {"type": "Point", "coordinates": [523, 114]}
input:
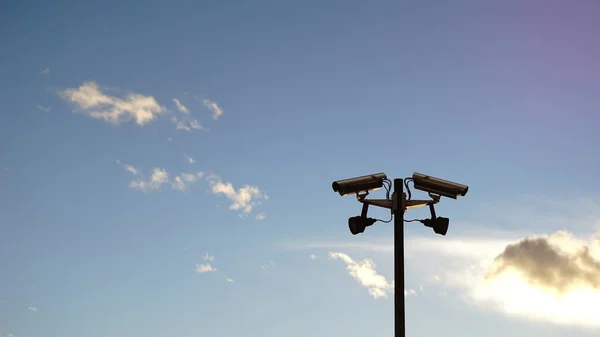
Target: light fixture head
{"type": "Point", "coordinates": [439, 224]}
{"type": "Point", "coordinates": [357, 224]}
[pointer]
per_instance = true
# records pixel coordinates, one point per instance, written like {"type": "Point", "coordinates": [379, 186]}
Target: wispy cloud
{"type": "Point", "coordinates": [313, 257]}
{"type": "Point", "coordinates": [208, 257]}
{"type": "Point", "coordinates": [32, 309]}
{"type": "Point", "coordinates": [129, 168]}
{"type": "Point", "coordinates": [182, 108]}
{"type": "Point", "coordinates": [230, 280]}
{"type": "Point", "coordinates": [260, 216]}
{"type": "Point", "coordinates": [183, 180]}
{"type": "Point", "coordinates": [243, 199]}
{"type": "Point", "coordinates": [205, 268]}
{"type": "Point", "coordinates": [364, 272]}
{"type": "Point", "coordinates": [216, 110]}
{"type": "Point", "coordinates": [189, 159]}
{"type": "Point", "coordinates": [157, 180]}
{"type": "Point", "coordinates": [410, 292]}
{"type": "Point", "coordinates": [267, 265]}
{"type": "Point", "coordinates": [89, 98]}
{"type": "Point", "coordinates": [45, 71]}
{"type": "Point", "coordinates": [10, 335]}
{"type": "Point", "coordinates": [160, 177]}
{"type": "Point", "coordinates": [43, 108]}
{"type": "Point", "coordinates": [187, 124]}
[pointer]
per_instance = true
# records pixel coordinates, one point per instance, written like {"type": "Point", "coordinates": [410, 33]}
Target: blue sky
{"type": "Point", "coordinates": [166, 167]}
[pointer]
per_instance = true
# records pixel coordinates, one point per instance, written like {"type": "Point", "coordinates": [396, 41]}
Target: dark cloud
{"type": "Point", "coordinates": [543, 263]}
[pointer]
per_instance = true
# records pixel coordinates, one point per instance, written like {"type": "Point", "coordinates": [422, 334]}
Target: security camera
{"type": "Point", "coordinates": [357, 224]}
{"type": "Point", "coordinates": [438, 186]}
{"type": "Point", "coordinates": [359, 184]}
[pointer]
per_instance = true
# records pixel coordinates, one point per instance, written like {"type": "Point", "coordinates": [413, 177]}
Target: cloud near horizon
{"type": "Point", "coordinates": [552, 278]}
{"type": "Point", "coordinates": [548, 278]}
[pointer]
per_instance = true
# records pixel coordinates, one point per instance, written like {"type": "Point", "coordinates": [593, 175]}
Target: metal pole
{"type": "Point", "coordinates": [399, 317]}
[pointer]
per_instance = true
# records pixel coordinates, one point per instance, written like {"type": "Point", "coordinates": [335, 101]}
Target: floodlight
{"type": "Point", "coordinates": [439, 224]}
{"type": "Point", "coordinates": [357, 224]}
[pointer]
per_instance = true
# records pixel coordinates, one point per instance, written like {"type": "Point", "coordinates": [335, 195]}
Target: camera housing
{"type": "Point", "coordinates": [438, 186]}
{"type": "Point", "coordinates": [359, 184]}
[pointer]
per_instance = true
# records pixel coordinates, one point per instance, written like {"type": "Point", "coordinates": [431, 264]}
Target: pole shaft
{"type": "Point", "coordinates": [399, 316]}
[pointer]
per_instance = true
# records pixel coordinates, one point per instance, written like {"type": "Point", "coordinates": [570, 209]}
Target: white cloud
{"type": "Point", "coordinates": [260, 216]}
{"type": "Point", "coordinates": [189, 159]}
{"type": "Point", "coordinates": [45, 71]}
{"type": "Point", "coordinates": [182, 108]}
{"type": "Point", "coordinates": [43, 108]}
{"type": "Point", "coordinates": [90, 99]}
{"type": "Point", "coordinates": [32, 309]}
{"type": "Point", "coordinates": [364, 272]}
{"type": "Point", "coordinates": [208, 257]}
{"type": "Point", "coordinates": [267, 265]}
{"type": "Point", "coordinates": [313, 257]}
{"type": "Point", "coordinates": [10, 335]}
{"type": "Point", "coordinates": [230, 280]}
{"type": "Point", "coordinates": [129, 168]}
{"type": "Point", "coordinates": [159, 177]}
{"type": "Point", "coordinates": [187, 124]}
{"type": "Point", "coordinates": [182, 181]}
{"type": "Point", "coordinates": [410, 292]}
{"type": "Point", "coordinates": [205, 268]}
{"type": "Point", "coordinates": [243, 199]}
{"type": "Point", "coordinates": [178, 184]}
{"type": "Point", "coordinates": [213, 107]}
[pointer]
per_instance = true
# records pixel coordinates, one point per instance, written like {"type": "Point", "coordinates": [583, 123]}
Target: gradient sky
{"type": "Point", "coordinates": [122, 213]}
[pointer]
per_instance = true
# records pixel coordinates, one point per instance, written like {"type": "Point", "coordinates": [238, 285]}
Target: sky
{"type": "Point", "coordinates": [166, 167]}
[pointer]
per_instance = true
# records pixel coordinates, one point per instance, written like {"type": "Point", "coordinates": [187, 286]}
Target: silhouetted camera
{"type": "Point", "coordinates": [359, 184]}
{"type": "Point", "coordinates": [438, 186]}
